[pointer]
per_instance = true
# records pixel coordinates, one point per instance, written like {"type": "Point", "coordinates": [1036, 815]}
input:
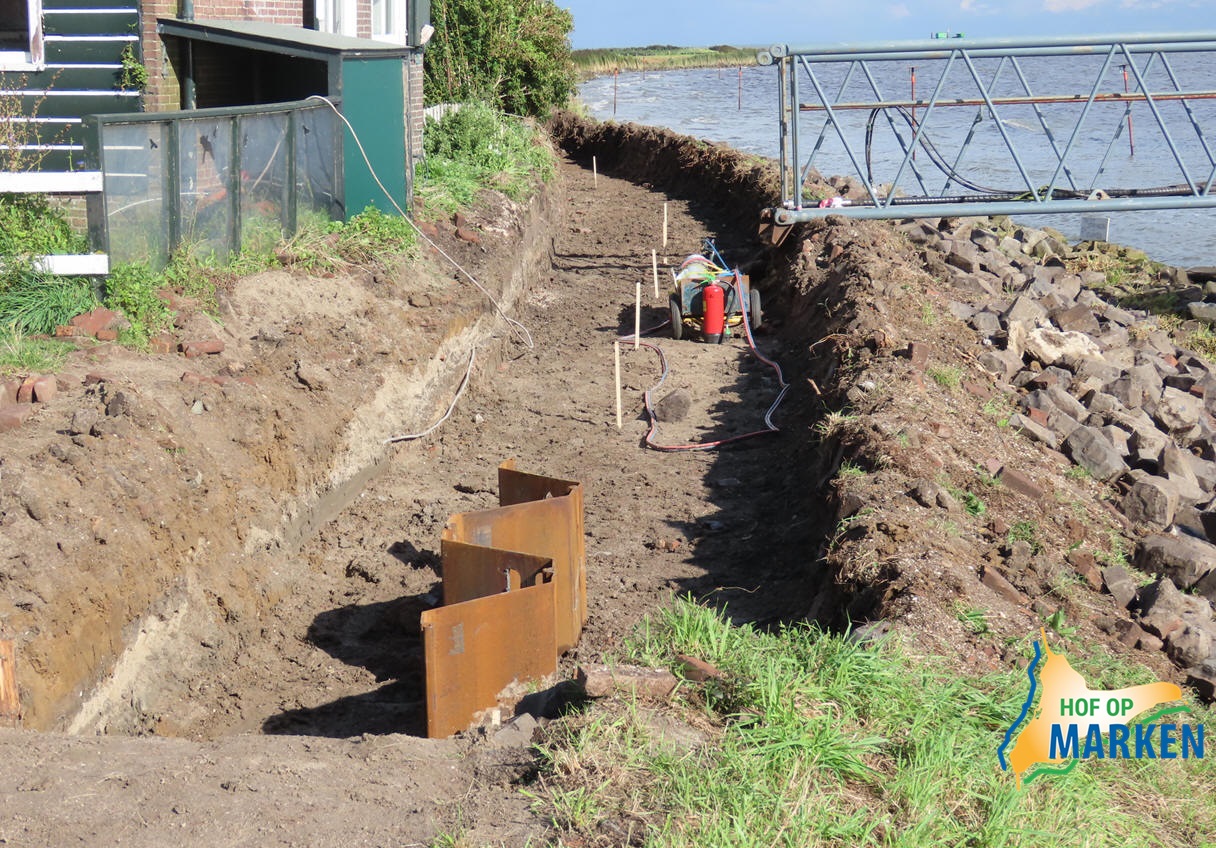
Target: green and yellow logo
{"type": "Point", "coordinates": [1072, 722]}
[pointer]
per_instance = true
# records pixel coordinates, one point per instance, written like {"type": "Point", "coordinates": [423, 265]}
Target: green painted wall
{"type": "Point", "coordinates": [373, 100]}
{"type": "Point", "coordinates": [95, 34]}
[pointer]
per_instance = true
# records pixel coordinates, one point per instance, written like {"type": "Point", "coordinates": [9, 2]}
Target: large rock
{"type": "Point", "coordinates": [1189, 646]}
{"type": "Point", "coordinates": [1120, 585]}
{"type": "Point", "coordinates": [1025, 309]}
{"type": "Point", "coordinates": [1092, 451]}
{"type": "Point", "coordinates": [1178, 411]}
{"type": "Point", "coordinates": [1147, 445]}
{"type": "Point", "coordinates": [1202, 311]}
{"type": "Point", "coordinates": [1076, 319]}
{"type": "Point", "coordinates": [1151, 501]}
{"type": "Point", "coordinates": [1162, 608]}
{"type": "Point", "coordinates": [1175, 462]}
{"type": "Point", "coordinates": [1051, 346]}
{"type": "Point", "coordinates": [1183, 559]}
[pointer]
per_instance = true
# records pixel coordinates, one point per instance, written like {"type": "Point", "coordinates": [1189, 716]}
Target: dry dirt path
{"type": "Point", "coordinates": [340, 657]}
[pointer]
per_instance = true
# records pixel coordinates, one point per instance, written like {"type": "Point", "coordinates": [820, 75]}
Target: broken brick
{"type": "Point", "coordinates": [600, 680]}
{"type": "Point", "coordinates": [25, 393]}
{"type": "Point", "coordinates": [12, 417]}
{"type": "Point", "coordinates": [995, 581]}
{"type": "Point", "coordinates": [697, 670]}
{"type": "Point", "coordinates": [205, 347]}
{"type": "Point", "coordinates": [45, 389]}
{"type": "Point", "coordinates": [1018, 482]}
{"type": "Point", "coordinates": [468, 234]}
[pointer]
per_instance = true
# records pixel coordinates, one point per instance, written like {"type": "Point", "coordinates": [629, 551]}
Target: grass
{"type": "Point", "coordinates": [1025, 531]}
{"type": "Point", "coordinates": [946, 376]}
{"type": "Point", "coordinates": [475, 148]}
{"type": "Point", "coordinates": [40, 303]}
{"type": "Point", "coordinates": [974, 618]}
{"type": "Point", "coordinates": [369, 238]}
{"type": "Point", "coordinates": [811, 739]}
{"type": "Point", "coordinates": [851, 469]}
{"type": "Point", "coordinates": [589, 63]}
{"type": "Point", "coordinates": [21, 355]}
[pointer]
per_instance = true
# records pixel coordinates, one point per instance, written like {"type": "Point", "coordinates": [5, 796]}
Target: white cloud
{"type": "Point", "coordinates": [899, 10]}
{"type": "Point", "coordinates": [1068, 5]}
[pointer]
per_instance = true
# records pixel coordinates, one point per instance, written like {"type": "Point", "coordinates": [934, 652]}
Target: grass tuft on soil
{"type": "Point", "coordinates": [812, 739]}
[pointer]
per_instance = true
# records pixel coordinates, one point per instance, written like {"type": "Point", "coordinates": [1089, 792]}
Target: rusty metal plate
{"type": "Point", "coordinates": [542, 516]}
{"type": "Point", "coordinates": [472, 571]}
{"type": "Point", "coordinates": [476, 648]}
{"type": "Point", "coordinates": [10, 701]}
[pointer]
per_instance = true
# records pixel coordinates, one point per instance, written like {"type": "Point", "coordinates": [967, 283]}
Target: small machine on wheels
{"type": "Point", "coordinates": [711, 299]}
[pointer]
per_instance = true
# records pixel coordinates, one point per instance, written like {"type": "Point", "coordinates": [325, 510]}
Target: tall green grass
{"type": "Point", "coordinates": [815, 740]}
{"type": "Point", "coordinates": [474, 148]}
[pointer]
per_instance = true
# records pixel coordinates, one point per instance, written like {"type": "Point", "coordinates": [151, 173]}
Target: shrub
{"type": "Point", "coordinates": [513, 53]}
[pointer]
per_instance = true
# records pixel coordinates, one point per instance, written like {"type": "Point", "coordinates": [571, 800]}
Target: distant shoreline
{"type": "Point", "coordinates": [604, 61]}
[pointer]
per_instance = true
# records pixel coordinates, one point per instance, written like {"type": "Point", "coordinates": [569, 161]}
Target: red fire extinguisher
{"type": "Point", "coordinates": [714, 319]}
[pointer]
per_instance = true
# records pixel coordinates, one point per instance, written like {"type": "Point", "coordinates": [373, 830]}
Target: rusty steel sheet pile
{"type": "Point", "coordinates": [514, 596]}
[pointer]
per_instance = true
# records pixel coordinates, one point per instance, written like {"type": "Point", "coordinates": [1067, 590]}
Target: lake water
{"type": "Point", "coordinates": [707, 104]}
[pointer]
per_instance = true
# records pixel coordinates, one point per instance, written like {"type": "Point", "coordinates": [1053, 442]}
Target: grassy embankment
{"type": "Point", "coordinates": [470, 150]}
{"type": "Point", "coordinates": [593, 63]}
{"type": "Point", "coordinates": [810, 739]}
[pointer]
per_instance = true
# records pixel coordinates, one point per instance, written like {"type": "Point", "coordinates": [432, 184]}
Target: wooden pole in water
{"type": "Point", "coordinates": [654, 267]}
{"type": "Point", "coordinates": [616, 355]}
{"type": "Point", "coordinates": [10, 702]}
{"type": "Point", "coordinates": [637, 316]}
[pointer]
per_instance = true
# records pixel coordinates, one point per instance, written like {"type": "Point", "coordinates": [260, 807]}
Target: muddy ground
{"type": "Point", "coordinates": [315, 673]}
{"type": "Point", "coordinates": [262, 680]}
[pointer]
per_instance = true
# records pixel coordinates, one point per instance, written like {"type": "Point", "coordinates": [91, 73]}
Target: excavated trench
{"type": "Point", "coordinates": [316, 632]}
{"type": "Point", "coordinates": [742, 528]}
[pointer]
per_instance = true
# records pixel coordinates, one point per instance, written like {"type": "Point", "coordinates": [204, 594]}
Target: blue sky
{"type": "Point", "coordinates": [636, 23]}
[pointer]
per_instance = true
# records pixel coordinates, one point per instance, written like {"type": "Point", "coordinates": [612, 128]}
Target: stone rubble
{"type": "Point", "coordinates": [1107, 388]}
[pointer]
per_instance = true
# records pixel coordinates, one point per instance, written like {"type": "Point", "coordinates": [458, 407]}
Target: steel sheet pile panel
{"type": "Point", "coordinates": [473, 571]}
{"type": "Point", "coordinates": [515, 596]}
{"type": "Point", "coordinates": [541, 516]}
{"type": "Point", "coordinates": [476, 648]}
{"type": "Point", "coordinates": [10, 702]}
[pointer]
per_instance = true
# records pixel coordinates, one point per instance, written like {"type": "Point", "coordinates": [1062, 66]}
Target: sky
{"type": "Point", "coordinates": [799, 23]}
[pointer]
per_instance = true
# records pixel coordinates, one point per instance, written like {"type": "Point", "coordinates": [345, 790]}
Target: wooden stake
{"type": "Point", "coordinates": [654, 267]}
{"type": "Point", "coordinates": [616, 354]}
{"type": "Point", "coordinates": [637, 317]}
{"type": "Point", "coordinates": [664, 232]}
{"type": "Point", "coordinates": [595, 174]}
{"type": "Point", "coordinates": [10, 702]}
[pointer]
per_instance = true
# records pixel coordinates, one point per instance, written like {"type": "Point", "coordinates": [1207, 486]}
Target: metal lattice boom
{"type": "Point", "coordinates": [1040, 118]}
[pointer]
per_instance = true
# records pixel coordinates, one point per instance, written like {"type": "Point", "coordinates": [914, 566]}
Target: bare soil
{"type": "Point", "coordinates": [226, 582]}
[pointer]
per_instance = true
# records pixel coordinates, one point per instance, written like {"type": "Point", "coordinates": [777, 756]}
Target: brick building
{"type": "Point", "coordinates": [64, 59]}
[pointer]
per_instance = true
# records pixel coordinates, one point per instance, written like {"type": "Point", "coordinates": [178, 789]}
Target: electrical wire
{"type": "Point", "coordinates": [987, 194]}
{"type": "Point", "coordinates": [464, 384]}
{"type": "Point", "coordinates": [652, 417]}
{"type": "Point", "coordinates": [520, 331]}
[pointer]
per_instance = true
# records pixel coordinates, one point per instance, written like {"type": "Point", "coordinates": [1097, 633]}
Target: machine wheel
{"type": "Point", "coordinates": [754, 316]}
{"type": "Point", "coordinates": [677, 318]}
